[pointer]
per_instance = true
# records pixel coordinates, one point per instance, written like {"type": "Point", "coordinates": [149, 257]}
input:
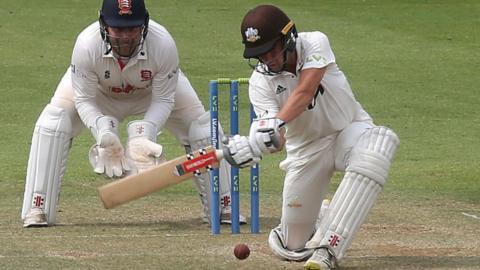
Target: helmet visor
{"type": "Point", "coordinates": [125, 42]}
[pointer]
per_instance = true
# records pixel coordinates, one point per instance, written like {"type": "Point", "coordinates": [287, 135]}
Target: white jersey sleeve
{"type": "Point", "coordinates": [164, 82]}
{"type": "Point", "coordinates": [85, 83]}
{"type": "Point", "coordinates": [262, 97]}
{"type": "Point", "coordinates": [317, 52]}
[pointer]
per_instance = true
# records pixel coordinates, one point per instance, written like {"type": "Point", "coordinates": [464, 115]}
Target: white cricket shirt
{"type": "Point", "coordinates": [332, 110]}
{"type": "Point", "coordinates": [153, 71]}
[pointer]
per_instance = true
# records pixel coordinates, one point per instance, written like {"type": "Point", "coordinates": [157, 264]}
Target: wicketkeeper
{"type": "Point", "coordinates": [305, 102]}
{"type": "Point", "coordinates": [124, 64]}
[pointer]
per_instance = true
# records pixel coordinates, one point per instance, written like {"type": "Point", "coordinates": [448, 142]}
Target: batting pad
{"type": "Point", "coordinates": [365, 176]}
{"type": "Point", "coordinates": [47, 162]}
{"type": "Point", "coordinates": [199, 137]}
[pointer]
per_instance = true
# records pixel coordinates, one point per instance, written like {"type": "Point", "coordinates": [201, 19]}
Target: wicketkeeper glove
{"type": "Point", "coordinates": [142, 148]}
{"type": "Point", "coordinates": [107, 156]}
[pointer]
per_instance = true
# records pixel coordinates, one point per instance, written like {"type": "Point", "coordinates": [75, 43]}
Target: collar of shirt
{"type": "Point", "coordinates": [300, 56]}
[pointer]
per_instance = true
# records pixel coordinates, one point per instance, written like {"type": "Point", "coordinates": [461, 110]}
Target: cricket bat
{"type": "Point", "coordinates": [159, 177]}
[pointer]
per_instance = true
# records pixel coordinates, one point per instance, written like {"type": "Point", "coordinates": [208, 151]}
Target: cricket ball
{"type": "Point", "coordinates": [241, 251]}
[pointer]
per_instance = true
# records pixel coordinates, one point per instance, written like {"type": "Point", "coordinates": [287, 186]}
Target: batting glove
{"type": "Point", "coordinates": [266, 135]}
{"type": "Point", "coordinates": [238, 153]}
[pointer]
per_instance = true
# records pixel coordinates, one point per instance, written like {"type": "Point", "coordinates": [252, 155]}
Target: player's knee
{"type": "Point", "coordinates": [65, 103]}
{"type": "Point", "coordinates": [373, 153]}
{"type": "Point", "coordinates": [199, 132]}
{"type": "Point", "coordinates": [297, 234]}
{"type": "Point", "coordinates": [278, 244]}
{"type": "Point", "coordinates": [54, 118]}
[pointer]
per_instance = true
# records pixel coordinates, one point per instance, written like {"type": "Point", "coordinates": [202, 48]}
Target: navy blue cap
{"type": "Point", "coordinates": [124, 13]}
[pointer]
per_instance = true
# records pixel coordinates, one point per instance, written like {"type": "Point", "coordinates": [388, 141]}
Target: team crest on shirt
{"type": "Point", "coordinates": [252, 34]}
{"type": "Point", "coordinates": [106, 75]}
{"type": "Point", "coordinates": [125, 7]}
{"type": "Point", "coordinates": [146, 75]}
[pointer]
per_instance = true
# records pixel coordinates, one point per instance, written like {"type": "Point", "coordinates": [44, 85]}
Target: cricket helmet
{"type": "Point", "coordinates": [262, 27]}
{"type": "Point", "coordinates": [124, 13]}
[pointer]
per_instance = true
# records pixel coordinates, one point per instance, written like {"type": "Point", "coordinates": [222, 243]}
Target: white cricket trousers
{"type": "Point", "coordinates": [307, 181]}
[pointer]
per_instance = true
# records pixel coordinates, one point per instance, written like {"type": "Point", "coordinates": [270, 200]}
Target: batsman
{"type": "Point", "coordinates": [122, 65]}
{"type": "Point", "coordinates": [304, 103]}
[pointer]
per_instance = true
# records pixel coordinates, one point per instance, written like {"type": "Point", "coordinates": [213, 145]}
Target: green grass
{"type": "Point", "coordinates": [414, 66]}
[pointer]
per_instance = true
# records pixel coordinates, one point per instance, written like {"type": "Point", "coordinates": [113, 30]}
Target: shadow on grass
{"type": "Point", "coordinates": [180, 225]}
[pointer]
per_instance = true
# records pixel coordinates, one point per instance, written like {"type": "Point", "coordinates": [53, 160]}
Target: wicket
{"type": "Point", "coordinates": [214, 176]}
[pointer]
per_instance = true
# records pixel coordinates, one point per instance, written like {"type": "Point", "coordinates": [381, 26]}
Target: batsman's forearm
{"type": "Point", "coordinates": [295, 105]}
{"type": "Point", "coordinates": [303, 94]}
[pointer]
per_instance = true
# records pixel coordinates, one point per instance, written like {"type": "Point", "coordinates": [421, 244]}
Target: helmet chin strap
{"type": "Point", "coordinates": [108, 48]}
{"type": "Point", "coordinates": [285, 58]}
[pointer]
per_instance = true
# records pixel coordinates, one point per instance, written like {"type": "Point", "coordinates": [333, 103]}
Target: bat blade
{"type": "Point", "coordinates": [162, 176]}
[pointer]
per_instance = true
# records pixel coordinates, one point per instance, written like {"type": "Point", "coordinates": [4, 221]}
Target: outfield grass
{"type": "Point", "coordinates": [413, 65]}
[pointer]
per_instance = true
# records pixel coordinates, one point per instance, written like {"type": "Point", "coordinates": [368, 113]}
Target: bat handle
{"type": "Point", "coordinates": [219, 154]}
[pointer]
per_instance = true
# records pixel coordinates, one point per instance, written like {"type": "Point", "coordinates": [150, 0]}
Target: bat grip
{"type": "Point", "coordinates": [219, 154]}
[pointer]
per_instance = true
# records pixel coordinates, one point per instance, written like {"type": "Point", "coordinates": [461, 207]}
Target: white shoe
{"type": "Point", "coordinates": [35, 218]}
{"type": "Point", "coordinates": [321, 259]}
{"type": "Point", "coordinates": [225, 217]}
